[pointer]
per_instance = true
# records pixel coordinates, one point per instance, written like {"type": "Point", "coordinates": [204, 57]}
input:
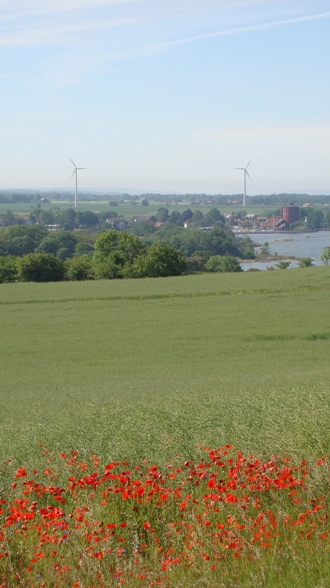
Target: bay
{"type": "Point", "coordinates": [296, 245]}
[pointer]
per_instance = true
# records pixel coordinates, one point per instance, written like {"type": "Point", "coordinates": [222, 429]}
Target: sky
{"type": "Point", "coordinates": [166, 96]}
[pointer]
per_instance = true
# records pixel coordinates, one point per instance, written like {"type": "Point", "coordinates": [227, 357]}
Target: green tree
{"type": "Point", "coordinates": [58, 240]}
{"type": "Point", "coordinates": [35, 233]}
{"type": "Point", "coordinates": [46, 217]}
{"type": "Point", "coordinates": [127, 245]}
{"type": "Point", "coordinates": [66, 239]}
{"type": "Point", "coordinates": [66, 219]}
{"type": "Point", "coordinates": [21, 245]}
{"type": "Point", "coordinates": [83, 248]}
{"type": "Point", "coordinates": [325, 255]}
{"type": "Point", "coordinates": [161, 261]}
{"type": "Point", "coordinates": [40, 267]}
{"type": "Point", "coordinates": [214, 217]}
{"type": "Point", "coordinates": [86, 219]}
{"type": "Point", "coordinates": [34, 216]}
{"type": "Point", "coordinates": [109, 268]}
{"type": "Point", "coordinates": [315, 218]}
{"type": "Point", "coordinates": [8, 269]}
{"type": "Point", "coordinates": [305, 262]}
{"type": "Point", "coordinates": [264, 249]}
{"type": "Point", "coordinates": [175, 218]}
{"type": "Point", "coordinates": [106, 244]}
{"type": "Point", "coordinates": [63, 253]}
{"type": "Point", "coordinates": [8, 218]}
{"type": "Point", "coordinates": [42, 217]}
{"type": "Point", "coordinates": [48, 245]}
{"type": "Point", "coordinates": [3, 250]}
{"type": "Point", "coordinates": [195, 263]}
{"type": "Point", "coordinates": [226, 263]}
{"type": "Point", "coordinates": [142, 228]}
{"type": "Point", "coordinates": [79, 268]}
{"type": "Point", "coordinates": [198, 218]}
{"type": "Point", "coordinates": [162, 215]}
{"type": "Point", "coordinates": [187, 215]}
{"type": "Point", "coordinates": [220, 242]}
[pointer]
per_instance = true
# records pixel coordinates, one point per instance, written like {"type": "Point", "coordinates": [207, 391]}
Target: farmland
{"type": "Point", "coordinates": [128, 209]}
{"type": "Point", "coordinates": [154, 371]}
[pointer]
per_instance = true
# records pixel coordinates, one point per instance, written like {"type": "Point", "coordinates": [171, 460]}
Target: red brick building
{"type": "Point", "coordinates": [290, 213]}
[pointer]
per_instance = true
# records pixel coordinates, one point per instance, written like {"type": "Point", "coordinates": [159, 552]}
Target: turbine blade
{"type": "Point", "coordinates": [247, 173]}
{"type": "Point", "coordinates": [73, 162]}
{"type": "Point", "coordinates": [248, 164]}
{"type": "Point", "coordinates": [75, 171]}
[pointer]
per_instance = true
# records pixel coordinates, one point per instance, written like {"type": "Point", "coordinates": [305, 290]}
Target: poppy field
{"type": "Point", "coordinates": [166, 432]}
{"type": "Point", "coordinates": [230, 519]}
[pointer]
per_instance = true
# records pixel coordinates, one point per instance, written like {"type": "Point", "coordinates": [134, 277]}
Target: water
{"type": "Point", "coordinates": [291, 244]}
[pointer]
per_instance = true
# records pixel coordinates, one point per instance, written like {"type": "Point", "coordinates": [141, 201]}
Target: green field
{"type": "Point", "coordinates": [128, 210]}
{"type": "Point", "coordinates": [149, 375]}
{"type": "Point", "coordinates": [137, 368]}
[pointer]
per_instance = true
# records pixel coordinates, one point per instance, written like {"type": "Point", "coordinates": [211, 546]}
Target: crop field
{"type": "Point", "coordinates": [166, 432]}
{"type": "Point", "coordinates": [128, 209]}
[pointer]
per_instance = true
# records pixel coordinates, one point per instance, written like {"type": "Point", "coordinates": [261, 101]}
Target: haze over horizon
{"type": "Point", "coordinates": [165, 96]}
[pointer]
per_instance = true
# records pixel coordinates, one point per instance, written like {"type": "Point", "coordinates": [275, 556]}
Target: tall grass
{"type": "Point", "coordinates": [194, 359]}
{"type": "Point", "coordinates": [153, 370]}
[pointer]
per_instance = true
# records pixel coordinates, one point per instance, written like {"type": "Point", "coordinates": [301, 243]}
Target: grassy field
{"type": "Point", "coordinates": [156, 370]}
{"type": "Point", "coordinates": [128, 210]}
{"type": "Point", "coordinates": [208, 359]}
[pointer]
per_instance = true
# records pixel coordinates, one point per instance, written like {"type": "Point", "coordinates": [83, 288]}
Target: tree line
{"type": "Point", "coordinates": [70, 219]}
{"type": "Point", "coordinates": [31, 253]}
{"type": "Point", "coordinates": [35, 196]}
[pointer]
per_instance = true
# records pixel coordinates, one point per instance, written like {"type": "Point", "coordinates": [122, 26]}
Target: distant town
{"type": "Point", "coordinates": [253, 223]}
{"type": "Point", "coordinates": [99, 211]}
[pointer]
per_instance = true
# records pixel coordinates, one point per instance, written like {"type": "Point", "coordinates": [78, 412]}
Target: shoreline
{"type": "Point", "coordinates": [269, 258]}
{"type": "Point", "coordinates": [271, 232]}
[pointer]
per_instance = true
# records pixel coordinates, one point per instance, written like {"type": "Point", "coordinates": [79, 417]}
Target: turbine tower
{"type": "Point", "coordinates": [76, 187]}
{"type": "Point", "coordinates": [246, 173]}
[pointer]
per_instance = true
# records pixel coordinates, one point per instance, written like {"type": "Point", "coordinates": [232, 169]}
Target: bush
{"type": "Point", "coordinates": [8, 269]}
{"type": "Point", "coordinates": [40, 267]}
{"type": "Point", "coordinates": [108, 269]}
{"type": "Point", "coordinates": [79, 268]}
{"type": "Point", "coordinates": [83, 249]}
{"type": "Point", "coordinates": [63, 253]}
{"type": "Point", "coordinates": [226, 263]}
{"type": "Point", "coordinates": [305, 262]}
{"type": "Point", "coordinates": [162, 261]}
{"type": "Point", "coordinates": [195, 263]}
{"type": "Point", "coordinates": [283, 264]}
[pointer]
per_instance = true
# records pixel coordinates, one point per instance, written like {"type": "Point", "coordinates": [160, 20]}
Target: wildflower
{"type": "Point", "coordinates": [20, 473]}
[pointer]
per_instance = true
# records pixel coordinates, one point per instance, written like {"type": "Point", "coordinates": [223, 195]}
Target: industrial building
{"type": "Point", "coordinates": [290, 213]}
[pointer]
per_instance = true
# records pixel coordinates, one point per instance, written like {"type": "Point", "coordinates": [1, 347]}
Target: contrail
{"type": "Point", "coordinates": [246, 29]}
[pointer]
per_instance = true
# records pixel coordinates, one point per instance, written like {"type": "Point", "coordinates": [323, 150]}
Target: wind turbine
{"type": "Point", "coordinates": [246, 173]}
{"type": "Point", "coordinates": [76, 174]}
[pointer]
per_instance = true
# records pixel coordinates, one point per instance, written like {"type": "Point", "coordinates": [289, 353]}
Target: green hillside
{"type": "Point", "coordinates": [126, 366]}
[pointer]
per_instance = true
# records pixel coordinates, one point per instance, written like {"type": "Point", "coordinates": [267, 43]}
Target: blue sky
{"type": "Point", "coordinates": [166, 95]}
